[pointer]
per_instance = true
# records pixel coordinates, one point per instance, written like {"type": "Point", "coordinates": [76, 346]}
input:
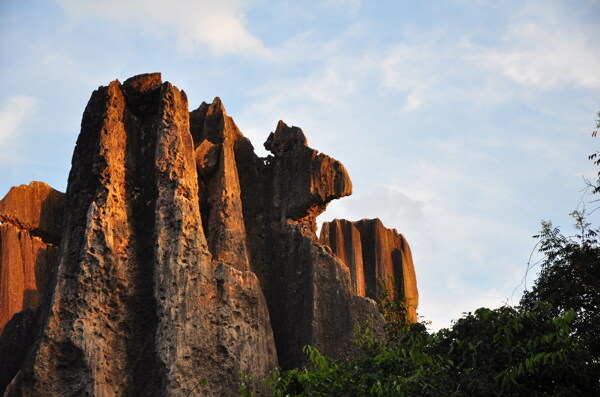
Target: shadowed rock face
{"type": "Point", "coordinates": [373, 253]}
{"type": "Point", "coordinates": [185, 259]}
{"type": "Point", "coordinates": [260, 213]}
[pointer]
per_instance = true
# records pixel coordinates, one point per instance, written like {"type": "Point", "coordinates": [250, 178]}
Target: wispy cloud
{"type": "Point", "coordinates": [350, 6]}
{"type": "Point", "coordinates": [411, 69]}
{"type": "Point", "coordinates": [219, 26]}
{"type": "Point", "coordinates": [542, 50]}
{"type": "Point", "coordinates": [12, 114]}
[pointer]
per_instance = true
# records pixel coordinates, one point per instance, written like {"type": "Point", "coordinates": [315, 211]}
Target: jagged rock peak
{"type": "Point", "coordinates": [216, 137]}
{"type": "Point", "coordinates": [317, 178]}
{"type": "Point", "coordinates": [31, 217]}
{"type": "Point", "coordinates": [285, 139]}
{"type": "Point", "coordinates": [141, 93]}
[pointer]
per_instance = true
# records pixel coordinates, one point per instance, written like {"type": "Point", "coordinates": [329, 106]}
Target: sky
{"type": "Point", "coordinates": [463, 124]}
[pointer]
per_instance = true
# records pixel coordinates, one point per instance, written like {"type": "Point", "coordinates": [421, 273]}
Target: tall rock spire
{"type": "Point", "coordinates": [216, 135]}
{"type": "Point", "coordinates": [30, 230]}
{"type": "Point", "coordinates": [140, 307]}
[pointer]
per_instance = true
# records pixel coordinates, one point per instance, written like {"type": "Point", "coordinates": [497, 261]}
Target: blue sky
{"type": "Point", "coordinates": [462, 123]}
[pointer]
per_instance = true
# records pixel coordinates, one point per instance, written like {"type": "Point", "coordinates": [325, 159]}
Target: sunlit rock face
{"type": "Point", "coordinates": [31, 217]}
{"type": "Point", "coordinates": [373, 253]}
{"type": "Point", "coordinates": [140, 307]}
{"type": "Point", "coordinates": [185, 259]}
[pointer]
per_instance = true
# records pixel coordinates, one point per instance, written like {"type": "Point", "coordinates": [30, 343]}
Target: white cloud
{"type": "Point", "coordinates": [544, 53]}
{"type": "Point", "coordinates": [220, 26]}
{"type": "Point", "coordinates": [412, 102]}
{"type": "Point", "coordinates": [437, 71]}
{"type": "Point", "coordinates": [12, 115]}
{"type": "Point", "coordinates": [313, 100]}
{"type": "Point", "coordinates": [540, 47]}
{"type": "Point", "coordinates": [395, 209]}
{"type": "Point", "coordinates": [351, 6]}
{"type": "Point", "coordinates": [412, 70]}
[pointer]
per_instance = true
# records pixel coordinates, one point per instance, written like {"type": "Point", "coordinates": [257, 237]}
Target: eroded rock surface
{"type": "Point", "coordinates": [140, 307]}
{"type": "Point", "coordinates": [307, 290]}
{"type": "Point", "coordinates": [186, 259]}
{"type": "Point", "coordinates": [374, 253]}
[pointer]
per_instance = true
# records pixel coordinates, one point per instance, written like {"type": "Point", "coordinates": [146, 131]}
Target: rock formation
{"type": "Point", "coordinates": [373, 254]}
{"type": "Point", "coordinates": [185, 259]}
{"type": "Point", "coordinates": [259, 214]}
{"type": "Point", "coordinates": [31, 222]}
{"type": "Point", "coordinates": [139, 306]}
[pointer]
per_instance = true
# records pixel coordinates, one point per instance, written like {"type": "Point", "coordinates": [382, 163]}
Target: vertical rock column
{"type": "Point", "coordinates": [31, 217]}
{"type": "Point", "coordinates": [140, 307]}
{"type": "Point", "coordinates": [344, 240]}
{"type": "Point", "coordinates": [215, 136]}
{"type": "Point", "coordinates": [379, 253]}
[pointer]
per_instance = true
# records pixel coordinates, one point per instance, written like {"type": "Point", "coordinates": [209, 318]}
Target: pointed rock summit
{"type": "Point", "coordinates": [140, 306]}
{"type": "Point", "coordinates": [184, 260]}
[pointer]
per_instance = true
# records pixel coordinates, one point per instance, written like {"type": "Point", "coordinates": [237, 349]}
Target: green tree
{"type": "Point", "coordinates": [595, 157]}
{"type": "Point", "coordinates": [569, 280]}
{"type": "Point", "coordinates": [512, 351]}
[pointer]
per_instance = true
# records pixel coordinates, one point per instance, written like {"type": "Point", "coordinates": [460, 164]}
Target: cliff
{"type": "Point", "coordinates": [31, 221]}
{"type": "Point", "coordinates": [185, 259]}
{"type": "Point", "coordinates": [373, 253]}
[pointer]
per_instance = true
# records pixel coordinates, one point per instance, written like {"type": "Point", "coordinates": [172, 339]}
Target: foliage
{"type": "Point", "coordinates": [570, 279]}
{"type": "Point", "coordinates": [390, 371]}
{"type": "Point", "coordinates": [394, 308]}
{"type": "Point", "coordinates": [595, 157]}
{"type": "Point", "coordinates": [503, 352]}
{"type": "Point", "coordinates": [515, 351]}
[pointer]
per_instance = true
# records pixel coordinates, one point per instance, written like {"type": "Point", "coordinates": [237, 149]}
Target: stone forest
{"type": "Point", "coordinates": [179, 262]}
